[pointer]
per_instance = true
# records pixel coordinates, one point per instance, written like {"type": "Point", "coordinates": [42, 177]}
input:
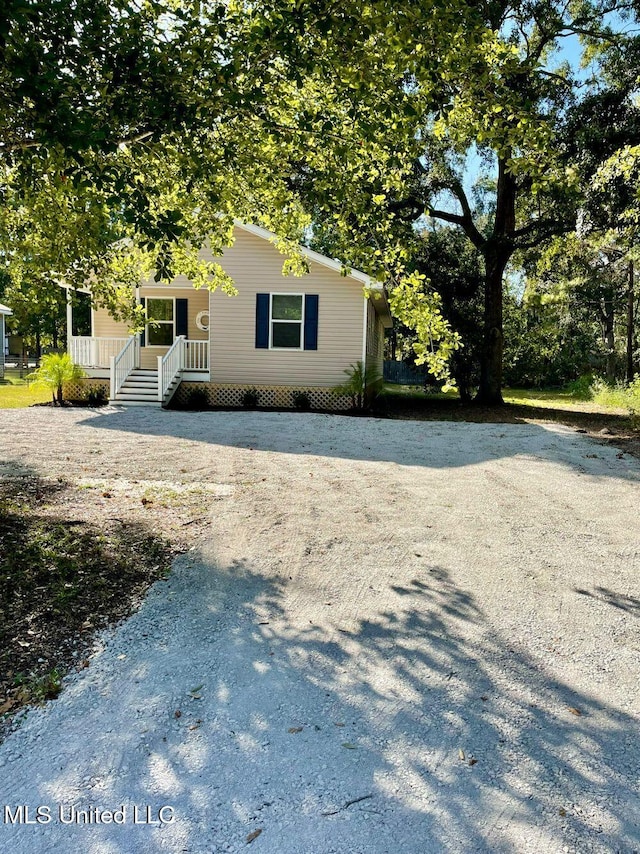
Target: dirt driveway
{"type": "Point", "coordinates": [392, 637]}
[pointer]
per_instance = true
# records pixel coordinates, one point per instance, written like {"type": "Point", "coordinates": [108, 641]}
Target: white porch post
{"type": "Point", "coordinates": [137, 354]}
{"type": "Point", "coordinates": [160, 390]}
{"type": "Point", "coordinates": [365, 319]}
{"type": "Point", "coordinates": [112, 378]}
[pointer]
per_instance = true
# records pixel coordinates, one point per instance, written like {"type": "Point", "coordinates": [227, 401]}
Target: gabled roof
{"type": "Point", "coordinates": [4, 309]}
{"type": "Point", "coordinates": [331, 263]}
{"type": "Point", "coordinates": [380, 303]}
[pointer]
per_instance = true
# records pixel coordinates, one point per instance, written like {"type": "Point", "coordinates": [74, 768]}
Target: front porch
{"type": "Point", "coordinates": [120, 360]}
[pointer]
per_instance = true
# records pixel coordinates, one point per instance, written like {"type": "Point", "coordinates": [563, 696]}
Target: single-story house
{"type": "Point", "coordinates": [281, 335]}
{"type": "Point", "coordinates": [5, 311]}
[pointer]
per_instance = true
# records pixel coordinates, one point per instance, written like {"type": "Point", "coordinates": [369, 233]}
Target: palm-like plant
{"type": "Point", "coordinates": [361, 378]}
{"type": "Point", "coordinates": [55, 370]}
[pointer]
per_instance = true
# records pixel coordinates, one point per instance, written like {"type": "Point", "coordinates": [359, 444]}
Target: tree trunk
{"type": "Point", "coordinates": [490, 391]}
{"type": "Point", "coordinates": [630, 319]}
{"type": "Point", "coordinates": [496, 252]}
{"type": "Point", "coordinates": [608, 336]}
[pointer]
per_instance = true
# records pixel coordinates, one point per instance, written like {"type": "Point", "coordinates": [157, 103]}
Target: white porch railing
{"type": "Point", "coordinates": [170, 365]}
{"type": "Point", "coordinates": [196, 356]}
{"type": "Point", "coordinates": [183, 355]}
{"type": "Point", "coordinates": [90, 352]}
{"type": "Point", "coordinates": [122, 365]}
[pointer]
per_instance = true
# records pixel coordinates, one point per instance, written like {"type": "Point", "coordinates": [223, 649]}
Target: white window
{"type": "Point", "coordinates": [286, 321]}
{"type": "Point", "coordinates": [160, 310]}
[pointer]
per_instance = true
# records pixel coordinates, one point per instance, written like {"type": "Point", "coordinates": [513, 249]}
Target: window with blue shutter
{"type": "Point", "coordinates": [287, 321]}
{"type": "Point", "coordinates": [311, 322]}
{"type": "Point", "coordinates": [182, 317]}
{"type": "Point", "coordinates": [262, 321]}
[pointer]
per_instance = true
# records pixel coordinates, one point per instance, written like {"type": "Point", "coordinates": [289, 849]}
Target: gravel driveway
{"type": "Point", "coordinates": [393, 637]}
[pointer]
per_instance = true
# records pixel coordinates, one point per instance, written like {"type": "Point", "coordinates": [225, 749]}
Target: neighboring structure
{"type": "Point", "coordinates": [281, 335]}
{"type": "Point", "coordinates": [5, 311]}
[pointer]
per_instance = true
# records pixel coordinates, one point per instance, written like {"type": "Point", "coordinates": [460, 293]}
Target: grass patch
{"type": "Point", "coordinates": [61, 580]}
{"type": "Point", "coordinates": [607, 400]}
{"type": "Point", "coordinates": [621, 395]}
{"type": "Point", "coordinates": [561, 406]}
{"type": "Point", "coordinates": [560, 399]}
{"type": "Point", "coordinates": [17, 393]}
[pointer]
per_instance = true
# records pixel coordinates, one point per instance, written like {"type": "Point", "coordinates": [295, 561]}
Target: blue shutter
{"type": "Point", "coordinates": [311, 322]}
{"type": "Point", "coordinates": [182, 324]}
{"type": "Point", "coordinates": [143, 336]}
{"type": "Point", "coordinates": [262, 321]}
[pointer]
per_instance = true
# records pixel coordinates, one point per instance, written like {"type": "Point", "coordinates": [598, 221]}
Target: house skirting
{"type": "Point", "coordinates": [79, 389]}
{"type": "Point", "coordinates": [227, 396]}
{"type": "Point", "coordinates": [280, 397]}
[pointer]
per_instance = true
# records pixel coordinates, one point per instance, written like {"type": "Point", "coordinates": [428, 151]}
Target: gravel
{"type": "Point", "coordinates": [389, 636]}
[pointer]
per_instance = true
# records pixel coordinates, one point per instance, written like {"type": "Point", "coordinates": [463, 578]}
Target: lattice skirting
{"type": "Point", "coordinates": [79, 389]}
{"type": "Point", "coordinates": [281, 397]}
{"type": "Point", "coordinates": [228, 396]}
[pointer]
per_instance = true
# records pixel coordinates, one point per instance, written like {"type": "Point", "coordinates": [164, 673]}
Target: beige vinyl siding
{"type": "Point", "coordinates": [198, 301]}
{"type": "Point", "coordinates": [256, 267]}
{"type": "Point", "coordinates": [104, 326]}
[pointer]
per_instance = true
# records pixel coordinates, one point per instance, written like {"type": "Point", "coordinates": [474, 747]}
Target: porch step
{"type": "Point", "coordinates": [141, 389]}
{"type": "Point", "coordinates": [137, 394]}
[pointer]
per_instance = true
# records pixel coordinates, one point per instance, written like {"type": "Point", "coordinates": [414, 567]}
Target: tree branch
{"type": "Point", "coordinates": [538, 224]}
{"type": "Point", "coordinates": [469, 226]}
{"type": "Point", "coordinates": [456, 219]}
{"type": "Point", "coordinates": [558, 228]}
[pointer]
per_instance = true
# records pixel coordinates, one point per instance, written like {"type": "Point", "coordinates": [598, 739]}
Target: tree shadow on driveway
{"type": "Point", "coordinates": [417, 727]}
{"type": "Point", "coordinates": [432, 444]}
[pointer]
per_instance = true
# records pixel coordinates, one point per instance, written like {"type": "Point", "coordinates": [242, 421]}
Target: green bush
{"type": "Point", "coordinates": [582, 388]}
{"type": "Point", "coordinates": [633, 404]}
{"type": "Point", "coordinates": [55, 370]}
{"type": "Point", "coordinates": [197, 399]}
{"type": "Point", "coordinates": [301, 400]}
{"type": "Point", "coordinates": [360, 384]}
{"type": "Point", "coordinates": [250, 397]}
{"type": "Point", "coordinates": [621, 395]}
{"type": "Point", "coordinates": [96, 396]}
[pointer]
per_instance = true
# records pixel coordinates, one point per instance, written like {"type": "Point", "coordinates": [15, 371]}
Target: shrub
{"type": "Point", "coordinates": [55, 370]}
{"type": "Point", "coordinates": [620, 395]}
{"type": "Point", "coordinates": [96, 395]}
{"type": "Point", "coordinates": [360, 382]}
{"type": "Point", "coordinates": [607, 394]}
{"type": "Point", "coordinates": [582, 388]}
{"type": "Point", "coordinates": [301, 400]}
{"type": "Point", "coordinates": [197, 399]}
{"type": "Point", "coordinates": [250, 397]}
{"type": "Point", "coordinates": [633, 403]}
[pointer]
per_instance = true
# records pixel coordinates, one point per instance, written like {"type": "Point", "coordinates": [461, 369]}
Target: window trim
{"type": "Point", "coordinates": [273, 294]}
{"type": "Point", "coordinates": [163, 322]}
